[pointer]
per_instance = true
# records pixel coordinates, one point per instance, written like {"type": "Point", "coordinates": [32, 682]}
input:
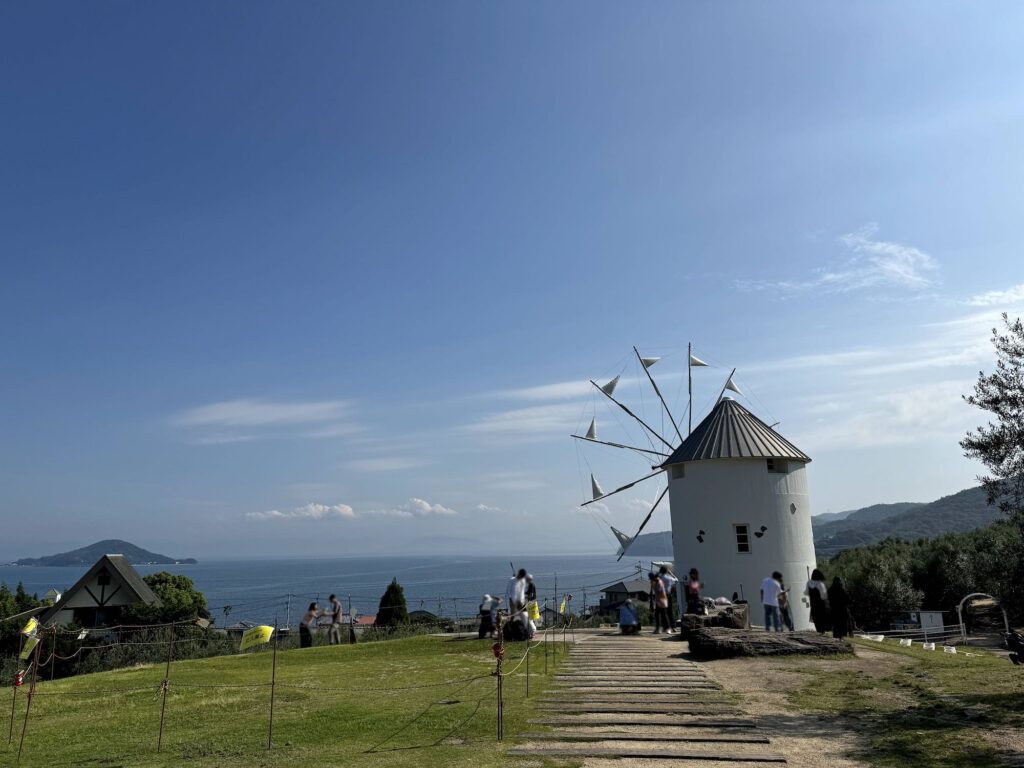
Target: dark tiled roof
{"type": "Point", "coordinates": [123, 569]}
{"type": "Point", "coordinates": [632, 587]}
{"type": "Point", "coordinates": [730, 431]}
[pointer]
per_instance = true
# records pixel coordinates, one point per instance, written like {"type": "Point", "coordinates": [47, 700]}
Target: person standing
{"type": "Point", "coordinates": [817, 595]}
{"type": "Point", "coordinates": [305, 635]}
{"type": "Point", "coordinates": [693, 587]}
{"type": "Point", "coordinates": [784, 613]}
{"type": "Point", "coordinates": [770, 589]}
{"type": "Point", "coordinates": [515, 593]}
{"type": "Point", "coordinates": [839, 609]}
{"type": "Point", "coordinates": [337, 616]}
{"type": "Point", "coordinates": [531, 597]}
{"type": "Point", "coordinates": [660, 603]}
{"type": "Point", "coordinates": [671, 583]}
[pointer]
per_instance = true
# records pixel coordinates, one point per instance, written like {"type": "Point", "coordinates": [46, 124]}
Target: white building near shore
{"type": "Point", "coordinates": [740, 508]}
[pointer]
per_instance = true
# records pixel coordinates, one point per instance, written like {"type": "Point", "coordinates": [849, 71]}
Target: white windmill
{"type": "Point", "coordinates": [737, 491]}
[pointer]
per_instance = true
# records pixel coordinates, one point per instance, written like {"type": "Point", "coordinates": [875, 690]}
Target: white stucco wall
{"type": "Point", "coordinates": [716, 494]}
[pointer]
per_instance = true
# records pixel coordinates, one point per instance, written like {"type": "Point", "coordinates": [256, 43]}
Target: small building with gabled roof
{"type": "Point", "coordinates": [101, 595]}
{"type": "Point", "coordinates": [741, 509]}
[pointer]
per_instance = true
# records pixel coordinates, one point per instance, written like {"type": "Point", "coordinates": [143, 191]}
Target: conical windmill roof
{"type": "Point", "coordinates": [730, 431]}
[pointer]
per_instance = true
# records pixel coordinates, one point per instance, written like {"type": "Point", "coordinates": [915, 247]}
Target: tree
{"type": "Point", "coordinates": [392, 610]}
{"type": "Point", "coordinates": [181, 601]}
{"type": "Point", "coordinates": [1000, 446]}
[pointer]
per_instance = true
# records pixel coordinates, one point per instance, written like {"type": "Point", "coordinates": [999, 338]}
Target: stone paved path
{"type": "Point", "coordinates": [636, 700]}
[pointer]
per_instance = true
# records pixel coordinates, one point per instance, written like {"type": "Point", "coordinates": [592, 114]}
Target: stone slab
{"type": "Point", "coordinates": [658, 752]}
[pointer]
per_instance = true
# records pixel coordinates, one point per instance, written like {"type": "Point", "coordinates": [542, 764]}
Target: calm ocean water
{"type": "Point", "coordinates": [258, 590]}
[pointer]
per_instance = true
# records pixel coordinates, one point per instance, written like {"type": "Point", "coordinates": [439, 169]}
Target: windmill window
{"type": "Point", "coordinates": [742, 539]}
{"type": "Point", "coordinates": [678, 471]}
{"type": "Point", "coordinates": [779, 466]}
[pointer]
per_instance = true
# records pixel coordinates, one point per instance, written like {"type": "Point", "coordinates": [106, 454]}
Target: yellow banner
{"type": "Point", "coordinates": [30, 626]}
{"type": "Point", "coordinates": [30, 645]}
{"type": "Point", "coordinates": [561, 608]}
{"type": "Point", "coordinates": [256, 636]}
{"type": "Point", "coordinates": [533, 610]}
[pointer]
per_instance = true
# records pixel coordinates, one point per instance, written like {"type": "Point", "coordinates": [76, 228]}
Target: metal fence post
{"type": "Point", "coordinates": [273, 683]}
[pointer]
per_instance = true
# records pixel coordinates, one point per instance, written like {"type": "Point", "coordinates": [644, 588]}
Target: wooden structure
{"type": "Point", "coordinates": [101, 595]}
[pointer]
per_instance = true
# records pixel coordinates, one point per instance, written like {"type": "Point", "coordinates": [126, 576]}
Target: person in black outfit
{"type": "Point", "coordinates": [839, 605]}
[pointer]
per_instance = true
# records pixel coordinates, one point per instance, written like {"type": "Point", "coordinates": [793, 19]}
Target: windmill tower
{"type": "Point", "coordinates": [738, 495]}
{"type": "Point", "coordinates": [740, 508]}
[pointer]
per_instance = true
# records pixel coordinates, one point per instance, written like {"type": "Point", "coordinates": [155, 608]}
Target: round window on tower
{"type": "Point", "coordinates": [792, 509]}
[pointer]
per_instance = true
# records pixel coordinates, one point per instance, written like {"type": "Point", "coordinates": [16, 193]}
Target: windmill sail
{"type": "Point", "coordinates": [592, 432]}
{"type": "Point", "coordinates": [730, 384]}
{"type": "Point", "coordinates": [624, 540]}
{"type": "Point", "coordinates": [696, 362]}
{"type": "Point", "coordinates": [598, 493]}
{"type": "Point", "coordinates": [609, 388]}
{"type": "Point", "coordinates": [649, 361]}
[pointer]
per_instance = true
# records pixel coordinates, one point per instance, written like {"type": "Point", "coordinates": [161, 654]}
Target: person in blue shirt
{"type": "Point", "coordinates": [629, 622]}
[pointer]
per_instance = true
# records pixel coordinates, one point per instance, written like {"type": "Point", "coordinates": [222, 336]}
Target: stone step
{"type": "Point", "coordinates": [651, 708]}
{"type": "Point", "coordinates": [657, 751]}
{"type": "Point", "coordinates": [655, 698]}
{"type": "Point", "coordinates": [620, 719]}
{"type": "Point", "coordinates": [711, 738]}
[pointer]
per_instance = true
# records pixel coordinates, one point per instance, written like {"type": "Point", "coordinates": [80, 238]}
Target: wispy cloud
{"type": "Point", "coordinates": [261, 413]}
{"type": "Point", "coordinates": [310, 511]}
{"type": "Point", "coordinates": [912, 415]}
{"type": "Point", "coordinates": [561, 390]}
{"type": "Point", "coordinates": [235, 421]}
{"type": "Point", "coordinates": [384, 464]}
{"type": "Point", "coordinates": [534, 420]}
{"type": "Point", "coordinates": [867, 263]}
{"type": "Point", "coordinates": [314, 511]}
{"type": "Point", "coordinates": [487, 508]}
{"type": "Point", "coordinates": [1014, 295]}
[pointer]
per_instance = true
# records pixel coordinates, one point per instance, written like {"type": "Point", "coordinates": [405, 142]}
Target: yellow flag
{"type": "Point", "coordinates": [30, 645]}
{"type": "Point", "coordinates": [561, 608]}
{"type": "Point", "coordinates": [533, 610]}
{"type": "Point", "coordinates": [256, 636]}
{"type": "Point", "coordinates": [30, 626]}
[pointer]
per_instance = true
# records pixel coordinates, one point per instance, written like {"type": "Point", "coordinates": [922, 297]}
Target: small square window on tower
{"type": "Point", "coordinates": [742, 539]}
{"type": "Point", "coordinates": [779, 466]}
{"type": "Point", "coordinates": [678, 471]}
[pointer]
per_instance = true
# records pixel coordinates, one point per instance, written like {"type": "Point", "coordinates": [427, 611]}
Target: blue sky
{"type": "Point", "coordinates": [330, 278]}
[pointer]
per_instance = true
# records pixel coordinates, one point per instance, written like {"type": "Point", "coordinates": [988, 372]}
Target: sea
{"type": "Point", "coordinates": [281, 589]}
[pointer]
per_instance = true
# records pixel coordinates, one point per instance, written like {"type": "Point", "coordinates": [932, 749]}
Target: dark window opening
{"type": "Point", "coordinates": [781, 466]}
{"type": "Point", "coordinates": [678, 471]}
{"type": "Point", "coordinates": [742, 539]}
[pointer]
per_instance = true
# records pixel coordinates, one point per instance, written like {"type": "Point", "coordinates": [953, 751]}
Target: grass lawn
{"type": "Point", "coordinates": [376, 717]}
{"type": "Point", "coordinates": [927, 710]}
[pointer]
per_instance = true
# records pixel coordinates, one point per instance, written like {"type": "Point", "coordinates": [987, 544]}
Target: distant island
{"type": "Point", "coordinates": [86, 556]}
{"type": "Point", "coordinates": [836, 531]}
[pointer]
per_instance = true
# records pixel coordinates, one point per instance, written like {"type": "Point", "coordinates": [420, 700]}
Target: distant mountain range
{"type": "Point", "coordinates": [836, 531]}
{"type": "Point", "coordinates": [86, 556]}
{"type": "Point", "coordinates": [963, 511]}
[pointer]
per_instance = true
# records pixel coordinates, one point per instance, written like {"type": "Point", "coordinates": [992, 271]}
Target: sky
{"type": "Point", "coordinates": [331, 278]}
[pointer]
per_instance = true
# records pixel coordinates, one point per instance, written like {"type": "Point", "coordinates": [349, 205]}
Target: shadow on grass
{"type": "Point", "coordinates": [446, 702]}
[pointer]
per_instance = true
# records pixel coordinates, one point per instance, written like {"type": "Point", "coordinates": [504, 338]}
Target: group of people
{"type": "Point", "coordinates": [662, 584]}
{"type": "Point", "coordinates": [314, 613]}
{"type": "Point", "coordinates": [520, 595]}
{"type": "Point", "coordinates": [830, 606]}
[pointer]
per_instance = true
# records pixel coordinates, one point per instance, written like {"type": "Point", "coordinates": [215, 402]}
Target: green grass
{"type": "Point", "coordinates": [377, 718]}
{"type": "Point", "coordinates": [930, 712]}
